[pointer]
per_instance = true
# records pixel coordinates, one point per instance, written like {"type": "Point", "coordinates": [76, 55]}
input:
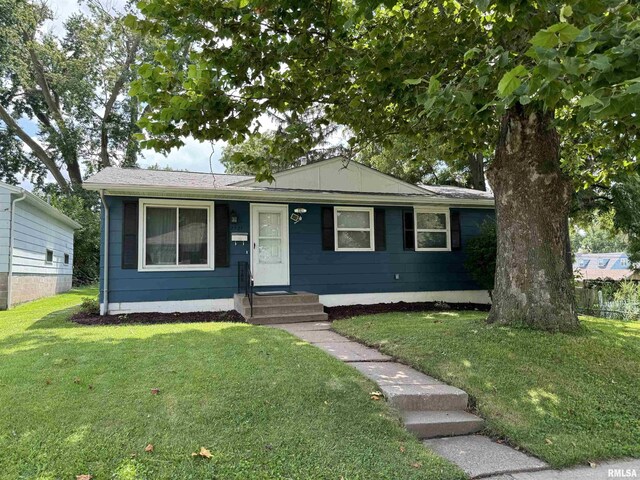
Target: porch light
{"type": "Point", "coordinates": [234, 216]}
{"type": "Point", "coordinates": [300, 210]}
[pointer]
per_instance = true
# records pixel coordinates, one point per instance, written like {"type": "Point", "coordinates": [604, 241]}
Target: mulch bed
{"type": "Point", "coordinates": [348, 311]}
{"type": "Point", "coordinates": [153, 318]}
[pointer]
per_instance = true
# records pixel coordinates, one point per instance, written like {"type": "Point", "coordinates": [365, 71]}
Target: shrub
{"type": "Point", "coordinates": [481, 255]}
{"type": "Point", "coordinates": [90, 306]}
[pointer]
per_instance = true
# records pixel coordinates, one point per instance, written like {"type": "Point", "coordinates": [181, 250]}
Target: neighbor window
{"type": "Point", "coordinates": [66, 259]}
{"type": "Point", "coordinates": [624, 262]}
{"type": "Point", "coordinates": [603, 262]}
{"type": "Point", "coordinates": [584, 262]}
{"type": "Point", "coordinates": [49, 256]}
{"type": "Point", "coordinates": [353, 229]}
{"type": "Point", "coordinates": [432, 229]}
{"type": "Point", "coordinates": [176, 235]}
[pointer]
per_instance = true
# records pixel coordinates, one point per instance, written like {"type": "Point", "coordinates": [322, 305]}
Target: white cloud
{"type": "Point", "coordinates": [194, 156]}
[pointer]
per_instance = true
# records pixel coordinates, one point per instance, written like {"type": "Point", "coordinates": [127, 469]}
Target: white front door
{"type": "Point", "coordinates": [270, 244]}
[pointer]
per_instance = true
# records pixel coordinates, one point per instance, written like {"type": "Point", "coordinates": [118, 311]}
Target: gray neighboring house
{"type": "Point", "coordinates": [36, 247]}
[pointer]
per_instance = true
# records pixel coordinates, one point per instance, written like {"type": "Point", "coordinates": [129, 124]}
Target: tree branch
{"type": "Point", "coordinates": [117, 88]}
{"type": "Point", "coordinates": [37, 150]}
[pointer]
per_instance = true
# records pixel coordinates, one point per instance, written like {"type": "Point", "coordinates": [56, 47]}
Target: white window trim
{"type": "Point", "coordinates": [370, 229]}
{"type": "Point", "coordinates": [447, 213]}
{"type": "Point", "coordinates": [168, 203]}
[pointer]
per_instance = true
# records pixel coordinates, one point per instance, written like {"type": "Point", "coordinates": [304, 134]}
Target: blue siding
{"type": "Point", "coordinates": [312, 269]}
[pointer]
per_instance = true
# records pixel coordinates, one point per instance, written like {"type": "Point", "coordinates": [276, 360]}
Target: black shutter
{"type": "Point", "coordinates": [222, 242]}
{"type": "Point", "coordinates": [328, 241]}
{"type": "Point", "coordinates": [380, 229]}
{"type": "Point", "coordinates": [456, 238]}
{"type": "Point", "coordinates": [409, 238]}
{"type": "Point", "coordinates": [130, 234]}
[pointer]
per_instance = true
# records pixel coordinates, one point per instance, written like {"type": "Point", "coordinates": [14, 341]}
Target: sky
{"type": "Point", "coordinates": [193, 156]}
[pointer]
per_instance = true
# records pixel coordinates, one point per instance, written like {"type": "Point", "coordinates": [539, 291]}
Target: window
{"type": "Point", "coordinates": [584, 262]}
{"type": "Point", "coordinates": [432, 227]}
{"type": "Point", "coordinates": [353, 229]}
{"type": "Point", "coordinates": [49, 256]}
{"type": "Point", "coordinates": [624, 262]}
{"type": "Point", "coordinates": [176, 235]}
{"type": "Point", "coordinates": [66, 259]}
{"type": "Point", "coordinates": [603, 262]}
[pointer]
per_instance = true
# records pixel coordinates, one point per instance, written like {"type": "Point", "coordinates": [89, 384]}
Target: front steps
{"type": "Point", "coordinates": [275, 309]}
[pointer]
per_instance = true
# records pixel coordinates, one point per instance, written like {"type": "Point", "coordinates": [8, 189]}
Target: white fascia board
{"type": "Point", "coordinates": [262, 195]}
{"type": "Point", "coordinates": [44, 206]}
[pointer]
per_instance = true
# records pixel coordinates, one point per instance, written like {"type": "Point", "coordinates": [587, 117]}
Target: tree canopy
{"type": "Point", "coordinates": [72, 88]}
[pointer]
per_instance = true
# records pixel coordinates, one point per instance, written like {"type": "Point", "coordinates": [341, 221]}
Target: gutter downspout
{"type": "Point", "coordinates": [104, 306]}
{"type": "Point", "coordinates": [11, 241]}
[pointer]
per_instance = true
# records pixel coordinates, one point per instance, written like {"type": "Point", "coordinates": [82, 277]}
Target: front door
{"type": "Point", "coordinates": [270, 244]}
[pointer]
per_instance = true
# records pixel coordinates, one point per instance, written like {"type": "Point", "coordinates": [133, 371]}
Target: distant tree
{"type": "Point", "coordinates": [296, 140]}
{"type": "Point", "coordinates": [83, 207]}
{"type": "Point", "coordinates": [598, 235]}
{"type": "Point", "coordinates": [72, 88]}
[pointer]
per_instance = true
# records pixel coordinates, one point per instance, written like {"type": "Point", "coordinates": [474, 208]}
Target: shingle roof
{"type": "Point", "coordinates": [457, 192]}
{"type": "Point", "coordinates": [163, 178]}
{"type": "Point", "coordinates": [130, 179]}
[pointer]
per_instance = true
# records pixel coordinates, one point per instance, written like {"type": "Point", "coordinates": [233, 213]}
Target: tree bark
{"type": "Point", "coordinates": [476, 167]}
{"type": "Point", "coordinates": [534, 282]}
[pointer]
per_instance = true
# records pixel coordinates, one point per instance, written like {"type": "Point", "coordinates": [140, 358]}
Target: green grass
{"type": "Point", "coordinates": [565, 398]}
{"type": "Point", "coordinates": [77, 400]}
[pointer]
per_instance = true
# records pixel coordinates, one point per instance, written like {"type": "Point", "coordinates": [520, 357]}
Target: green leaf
{"type": "Point", "coordinates": [412, 81]}
{"type": "Point", "coordinates": [469, 54]}
{"type": "Point", "coordinates": [434, 85]}
{"type": "Point", "coordinates": [600, 62]}
{"type": "Point", "coordinates": [588, 101]}
{"type": "Point", "coordinates": [565, 31]}
{"type": "Point", "coordinates": [544, 39]}
{"type": "Point", "coordinates": [511, 81]}
{"type": "Point", "coordinates": [565, 12]}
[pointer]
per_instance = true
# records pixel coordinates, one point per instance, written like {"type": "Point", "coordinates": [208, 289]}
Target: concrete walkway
{"type": "Point", "coordinates": [436, 413]}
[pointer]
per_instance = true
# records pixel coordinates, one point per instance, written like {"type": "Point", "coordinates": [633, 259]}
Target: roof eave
{"type": "Point", "coordinates": [42, 205]}
{"type": "Point", "coordinates": [285, 196]}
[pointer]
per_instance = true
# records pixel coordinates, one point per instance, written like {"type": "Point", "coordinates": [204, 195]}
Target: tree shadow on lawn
{"type": "Point", "coordinates": [259, 399]}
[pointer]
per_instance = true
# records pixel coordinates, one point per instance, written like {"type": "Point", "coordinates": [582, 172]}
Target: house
{"type": "Point", "coordinates": [344, 233]}
{"type": "Point", "coordinates": [604, 266]}
{"type": "Point", "coordinates": [36, 247]}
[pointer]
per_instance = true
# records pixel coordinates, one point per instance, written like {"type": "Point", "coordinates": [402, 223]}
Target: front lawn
{"type": "Point", "coordinates": [564, 398]}
{"type": "Point", "coordinates": [78, 400]}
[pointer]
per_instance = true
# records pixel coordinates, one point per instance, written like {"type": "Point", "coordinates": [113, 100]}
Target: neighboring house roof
{"type": "Point", "coordinates": [611, 266]}
{"type": "Point", "coordinates": [321, 182]}
{"type": "Point", "coordinates": [42, 205]}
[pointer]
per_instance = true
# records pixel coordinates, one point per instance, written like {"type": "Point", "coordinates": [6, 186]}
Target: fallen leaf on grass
{"type": "Point", "coordinates": [593, 464]}
{"type": "Point", "coordinates": [84, 477]}
{"type": "Point", "coordinates": [148, 448]}
{"type": "Point", "coordinates": [204, 453]}
{"type": "Point", "coordinates": [155, 391]}
{"type": "Point", "coordinates": [375, 395]}
{"type": "Point", "coordinates": [548, 441]}
{"type": "Point", "coordinates": [416, 465]}
{"type": "Point", "coordinates": [76, 380]}
{"type": "Point", "coordinates": [402, 449]}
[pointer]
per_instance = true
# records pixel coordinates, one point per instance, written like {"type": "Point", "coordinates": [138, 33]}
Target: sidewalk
{"type": "Point", "coordinates": [431, 408]}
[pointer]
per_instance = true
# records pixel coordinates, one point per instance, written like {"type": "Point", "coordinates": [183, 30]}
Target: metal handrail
{"type": "Point", "coordinates": [245, 283]}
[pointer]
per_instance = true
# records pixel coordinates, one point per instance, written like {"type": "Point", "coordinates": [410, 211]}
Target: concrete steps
{"type": "Point", "coordinates": [275, 309]}
{"type": "Point", "coordinates": [411, 398]}
{"type": "Point", "coordinates": [432, 424]}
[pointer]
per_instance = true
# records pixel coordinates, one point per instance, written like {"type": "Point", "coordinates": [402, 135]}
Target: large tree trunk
{"type": "Point", "coordinates": [534, 282]}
